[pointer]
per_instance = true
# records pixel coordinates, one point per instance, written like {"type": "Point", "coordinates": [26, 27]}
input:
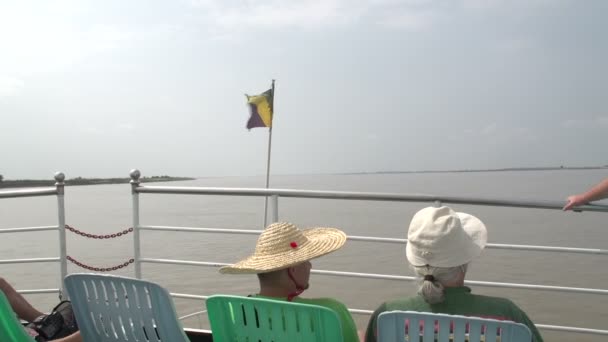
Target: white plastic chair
{"type": "Point", "coordinates": [111, 308]}
{"type": "Point", "coordinates": [413, 326]}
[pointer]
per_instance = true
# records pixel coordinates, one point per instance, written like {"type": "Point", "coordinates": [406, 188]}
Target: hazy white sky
{"type": "Point", "coordinates": [95, 88]}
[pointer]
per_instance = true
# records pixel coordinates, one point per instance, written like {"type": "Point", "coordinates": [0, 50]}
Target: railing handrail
{"type": "Point", "coordinates": [39, 291]}
{"type": "Point", "coordinates": [363, 196]}
{"type": "Point", "coordinates": [29, 260]}
{"type": "Point", "coordinates": [28, 229]}
{"type": "Point", "coordinates": [29, 192]}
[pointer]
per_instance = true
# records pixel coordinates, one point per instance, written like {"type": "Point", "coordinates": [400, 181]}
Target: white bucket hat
{"type": "Point", "coordinates": [441, 237]}
{"type": "Point", "coordinates": [283, 245]}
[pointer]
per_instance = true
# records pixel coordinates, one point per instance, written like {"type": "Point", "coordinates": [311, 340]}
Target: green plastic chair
{"type": "Point", "coordinates": [10, 327]}
{"type": "Point", "coordinates": [248, 319]}
{"type": "Point", "coordinates": [435, 327]}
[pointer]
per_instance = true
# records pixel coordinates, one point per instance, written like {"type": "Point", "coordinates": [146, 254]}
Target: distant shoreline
{"type": "Point", "coordinates": [8, 183]}
{"type": "Point", "coordinates": [554, 168]}
{"type": "Point", "coordinates": [21, 183]}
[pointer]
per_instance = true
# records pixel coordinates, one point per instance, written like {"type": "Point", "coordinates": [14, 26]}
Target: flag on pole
{"type": "Point", "coordinates": [261, 110]}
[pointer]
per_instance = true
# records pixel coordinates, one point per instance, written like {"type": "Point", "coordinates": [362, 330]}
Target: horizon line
{"type": "Point", "coordinates": [523, 168]}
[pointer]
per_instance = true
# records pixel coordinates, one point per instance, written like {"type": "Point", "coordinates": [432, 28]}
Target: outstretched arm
{"type": "Point", "coordinates": [22, 308]}
{"type": "Point", "coordinates": [596, 193]}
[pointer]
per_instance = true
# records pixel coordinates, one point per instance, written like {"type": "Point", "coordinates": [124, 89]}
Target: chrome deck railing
{"type": "Point", "coordinates": [275, 194]}
{"type": "Point", "coordinates": [58, 191]}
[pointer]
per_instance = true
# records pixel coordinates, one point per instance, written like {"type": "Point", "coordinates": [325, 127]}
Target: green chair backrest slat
{"type": "Point", "coordinates": [246, 319]}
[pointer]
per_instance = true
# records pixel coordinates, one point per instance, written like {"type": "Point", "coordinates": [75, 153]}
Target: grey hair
{"type": "Point", "coordinates": [432, 291]}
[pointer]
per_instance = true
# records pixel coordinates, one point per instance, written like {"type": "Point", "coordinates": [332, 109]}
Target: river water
{"type": "Point", "coordinates": [105, 209]}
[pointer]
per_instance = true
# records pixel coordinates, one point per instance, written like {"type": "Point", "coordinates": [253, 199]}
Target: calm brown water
{"type": "Point", "coordinates": [107, 209]}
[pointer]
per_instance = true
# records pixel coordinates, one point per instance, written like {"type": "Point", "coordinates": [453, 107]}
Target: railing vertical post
{"type": "Point", "coordinates": [135, 174]}
{"type": "Point", "coordinates": [274, 208]}
{"type": "Point", "coordinates": [60, 185]}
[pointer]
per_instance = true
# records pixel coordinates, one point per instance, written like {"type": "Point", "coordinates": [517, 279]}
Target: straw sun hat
{"type": "Point", "coordinates": [441, 237]}
{"type": "Point", "coordinates": [283, 245]}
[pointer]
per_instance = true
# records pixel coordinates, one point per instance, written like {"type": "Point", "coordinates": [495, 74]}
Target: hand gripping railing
{"type": "Point", "coordinates": [274, 194]}
{"type": "Point", "coordinates": [58, 191]}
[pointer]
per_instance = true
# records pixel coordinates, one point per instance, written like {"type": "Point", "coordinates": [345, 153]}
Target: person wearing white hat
{"type": "Point", "coordinates": [441, 244]}
{"type": "Point", "coordinates": [281, 261]}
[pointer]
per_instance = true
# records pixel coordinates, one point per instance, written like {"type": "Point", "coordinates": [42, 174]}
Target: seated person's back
{"type": "Point", "coordinates": [441, 244]}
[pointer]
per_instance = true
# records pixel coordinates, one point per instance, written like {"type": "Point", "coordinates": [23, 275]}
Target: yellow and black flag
{"type": "Point", "coordinates": [261, 109]}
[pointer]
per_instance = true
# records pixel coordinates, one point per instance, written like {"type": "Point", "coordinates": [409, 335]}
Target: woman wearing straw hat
{"type": "Point", "coordinates": [282, 262]}
{"type": "Point", "coordinates": [441, 244]}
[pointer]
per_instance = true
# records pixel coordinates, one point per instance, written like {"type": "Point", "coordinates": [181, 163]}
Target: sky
{"type": "Point", "coordinates": [97, 88]}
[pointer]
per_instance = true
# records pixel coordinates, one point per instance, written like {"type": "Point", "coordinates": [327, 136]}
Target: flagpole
{"type": "Point", "coordinates": [268, 161]}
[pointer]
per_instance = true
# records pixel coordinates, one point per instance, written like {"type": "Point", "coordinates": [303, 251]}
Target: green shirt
{"type": "Point", "coordinates": [458, 301]}
{"type": "Point", "coordinates": [349, 329]}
